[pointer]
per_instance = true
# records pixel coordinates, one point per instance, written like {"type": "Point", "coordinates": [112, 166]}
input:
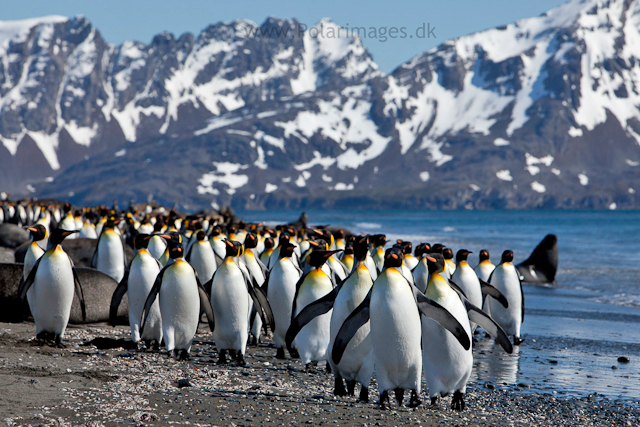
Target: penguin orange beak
{"type": "Point", "coordinates": [31, 229]}
{"type": "Point", "coordinates": [69, 232]}
{"type": "Point", "coordinates": [432, 259]}
{"type": "Point", "coordinates": [164, 236]}
{"type": "Point", "coordinates": [394, 256]}
{"type": "Point", "coordinates": [330, 253]}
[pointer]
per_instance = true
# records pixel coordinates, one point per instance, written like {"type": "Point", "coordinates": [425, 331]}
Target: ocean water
{"type": "Point", "coordinates": [575, 330]}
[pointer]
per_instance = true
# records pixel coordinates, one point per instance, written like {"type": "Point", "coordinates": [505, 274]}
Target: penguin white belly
{"type": "Point", "coordinates": [280, 294]}
{"type": "Point", "coordinates": [142, 276]}
{"type": "Point", "coordinates": [203, 261]}
{"type": "Point", "coordinates": [111, 256]}
{"type": "Point", "coordinates": [218, 246]}
{"type": "Point", "coordinates": [406, 273]}
{"type": "Point", "coordinates": [156, 246]}
{"type": "Point", "coordinates": [468, 281]}
{"type": "Point", "coordinates": [505, 279]}
{"type": "Point", "coordinates": [410, 261]}
{"type": "Point", "coordinates": [338, 267]}
{"type": "Point", "coordinates": [31, 257]}
{"type": "Point", "coordinates": [313, 339]}
{"type": "Point", "coordinates": [88, 232]}
{"type": "Point", "coordinates": [484, 270]}
{"type": "Point", "coordinates": [357, 360]}
{"type": "Point", "coordinates": [395, 333]}
{"type": "Point", "coordinates": [229, 299]}
{"type": "Point", "coordinates": [371, 266]}
{"type": "Point", "coordinates": [256, 271]}
{"type": "Point", "coordinates": [179, 306]}
{"type": "Point", "coordinates": [51, 294]}
{"type": "Point", "coordinates": [447, 365]}
{"type": "Point", "coordinates": [421, 275]}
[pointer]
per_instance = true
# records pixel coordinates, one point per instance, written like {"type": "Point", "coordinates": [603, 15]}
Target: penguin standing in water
{"type": "Point", "coordinates": [281, 291]}
{"type": "Point", "coordinates": [202, 258]}
{"type": "Point", "coordinates": [138, 282]}
{"type": "Point", "coordinates": [231, 288]}
{"type": "Point", "coordinates": [34, 252]}
{"type": "Point", "coordinates": [395, 306]}
{"type": "Point", "coordinates": [506, 279]}
{"type": "Point", "coordinates": [109, 256]}
{"type": "Point", "coordinates": [312, 340]}
{"type": "Point", "coordinates": [357, 363]}
{"type": "Point", "coordinates": [49, 289]}
{"type": "Point", "coordinates": [447, 364]}
{"type": "Point", "coordinates": [181, 297]}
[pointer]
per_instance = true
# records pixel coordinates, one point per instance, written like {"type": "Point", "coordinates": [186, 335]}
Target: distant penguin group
{"type": "Point", "coordinates": [323, 294]}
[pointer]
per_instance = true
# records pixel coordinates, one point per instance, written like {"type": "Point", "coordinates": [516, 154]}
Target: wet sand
{"type": "Point", "coordinates": [82, 385]}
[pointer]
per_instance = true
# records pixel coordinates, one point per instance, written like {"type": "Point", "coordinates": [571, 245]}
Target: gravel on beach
{"type": "Point", "coordinates": [83, 385]}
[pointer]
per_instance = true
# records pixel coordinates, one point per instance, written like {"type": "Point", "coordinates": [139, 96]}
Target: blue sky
{"type": "Point", "coordinates": [119, 20]}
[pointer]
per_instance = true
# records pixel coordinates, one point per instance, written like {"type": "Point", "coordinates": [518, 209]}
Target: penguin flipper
{"type": "Point", "coordinates": [153, 294]}
{"type": "Point", "coordinates": [457, 288]}
{"type": "Point", "coordinates": [307, 314]}
{"type": "Point", "coordinates": [78, 287]}
{"type": "Point", "coordinates": [487, 289]}
{"type": "Point", "coordinates": [205, 304]}
{"type": "Point", "coordinates": [357, 318]}
{"type": "Point", "coordinates": [259, 299]}
{"type": "Point", "coordinates": [431, 309]}
{"type": "Point", "coordinates": [26, 284]}
{"type": "Point", "coordinates": [295, 296]}
{"type": "Point", "coordinates": [489, 325]}
{"type": "Point", "coordinates": [121, 289]}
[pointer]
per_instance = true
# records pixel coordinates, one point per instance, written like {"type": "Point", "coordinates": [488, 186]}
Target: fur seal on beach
{"type": "Point", "coordinates": [542, 264]}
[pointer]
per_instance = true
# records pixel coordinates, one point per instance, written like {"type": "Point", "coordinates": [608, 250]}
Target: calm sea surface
{"type": "Point", "coordinates": [575, 330]}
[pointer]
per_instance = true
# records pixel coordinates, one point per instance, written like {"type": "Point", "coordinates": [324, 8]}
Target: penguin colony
{"type": "Point", "coordinates": [360, 304]}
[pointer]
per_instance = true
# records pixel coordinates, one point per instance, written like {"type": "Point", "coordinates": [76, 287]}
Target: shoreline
{"type": "Point", "coordinates": [82, 385]}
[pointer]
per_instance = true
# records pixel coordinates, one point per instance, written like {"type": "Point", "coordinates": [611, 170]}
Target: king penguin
{"type": "Point", "coordinates": [506, 279]}
{"type": "Point", "coordinates": [447, 364]}
{"type": "Point", "coordinates": [312, 340]}
{"type": "Point", "coordinates": [138, 282]}
{"type": "Point", "coordinates": [231, 288]}
{"type": "Point", "coordinates": [447, 253]}
{"type": "Point", "coordinates": [109, 256]}
{"type": "Point", "coordinates": [180, 294]}
{"type": "Point", "coordinates": [202, 258]}
{"type": "Point", "coordinates": [259, 271]}
{"type": "Point", "coordinates": [483, 271]}
{"type": "Point", "coordinates": [467, 280]}
{"type": "Point", "coordinates": [49, 289]}
{"type": "Point", "coordinates": [34, 252]}
{"type": "Point", "coordinates": [281, 291]}
{"type": "Point", "coordinates": [394, 307]}
{"type": "Point", "coordinates": [421, 270]}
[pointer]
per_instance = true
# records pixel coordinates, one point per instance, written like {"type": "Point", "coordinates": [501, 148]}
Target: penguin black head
{"type": "Point", "coordinates": [286, 250]}
{"type": "Point", "coordinates": [234, 248]}
{"type": "Point", "coordinates": [507, 256]}
{"type": "Point", "coordinates": [215, 231]}
{"type": "Point", "coordinates": [435, 262]}
{"type": "Point", "coordinates": [318, 244]}
{"type": "Point", "coordinates": [484, 255]}
{"type": "Point", "coordinates": [201, 235]}
{"type": "Point", "coordinates": [38, 232]}
{"type": "Point", "coordinates": [361, 248]}
{"type": "Point", "coordinates": [268, 243]}
{"type": "Point", "coordinates": [318, 257]}
{"type": "Point", "coordinates": [141, 241]}
{"type": "Point", "coordinates": [348, 248]}
{"type": "Point", "coordinates": [172, 236]}
{"type": "Point", "coordinates": [284, 238]}
{"type": "Point", "coordinates": [437, 248]}
{"type": "Point", "coordinates": [175, 249]}
{"type": "Point", "coordinates": [58, 235]}
{"type": "Point", "coordinates": [157, 227]}
{"type": "Point", "coordinates": [422, 249]}
{"type": "Point", "coordinates": [393, 257]}
{"type": "Point", "coordinates": [320, 233]}
{"type": "Point", "coordinates": [250, 241]}
{"type": "Point", "coordinates": [406, 246]}
{"type": "Point", "coordinates": [447, 253]}
{"type": "Point", "coordinates": [462, 255]}
{"type": "Point", "coordinates": [379, 240]}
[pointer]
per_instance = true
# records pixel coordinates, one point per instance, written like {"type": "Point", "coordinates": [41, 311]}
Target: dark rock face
{"type": "Point", "coordinates": [268, 117]}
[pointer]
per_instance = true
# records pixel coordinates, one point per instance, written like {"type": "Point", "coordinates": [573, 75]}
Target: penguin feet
{"type": "Point", "coordinates": [338, 387]}
{"type": "Point", "coordinates": [58, 342]}
{"type": "Point", "coordinates": [351, 388]}
{"type": "Point", "coordinates": [294, 353]}
{"type": "Point", "coordinates": [155, 345]}
{"type": "Point", "coordinates": [517, 340]}
{"type": "Point", "coordinates": [311, 368]}
{"type": "Point", "coordinates": [254, 341]}
{"type": "Point", "coordinates": [280, 353]}
{"type": "Point", "coordinates": [399, 392]}
{"type": "Point", "coordinates": [183, 355]}
{"type": "Point", "coordinates": [384, 401]}
{"type": "Point", "coordinates": [328, 368]}
{"type": "Point", "coordinates": [240, 359]}
{"type": "Point", "coordinates": [140, 346]}
{"type": "Point", "coordinates": [222, 357]}
{"type": "Point", "coordinates": [233, 354]}
{"type": "Point", "coordinates": [434, 403]}
{"type": "Point", "coordinates": [415, 401]}
{"type": "Point", "coordinates": [457, 402]}
{"type": "Point", "coordinates": [364, 395]}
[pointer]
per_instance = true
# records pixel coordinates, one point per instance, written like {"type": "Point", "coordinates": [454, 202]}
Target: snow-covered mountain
{"type": "Point", "coordinates": [540, 113]}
